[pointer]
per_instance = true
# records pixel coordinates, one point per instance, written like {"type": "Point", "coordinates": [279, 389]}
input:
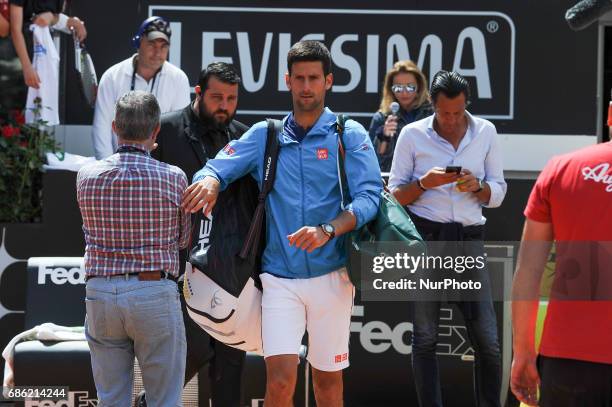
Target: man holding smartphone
{"type": "Point", "coordinates": [445, 168]}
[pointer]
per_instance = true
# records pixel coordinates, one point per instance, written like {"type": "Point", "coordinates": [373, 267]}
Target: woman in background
{"type": "Point", "coordinates": [406, 85]}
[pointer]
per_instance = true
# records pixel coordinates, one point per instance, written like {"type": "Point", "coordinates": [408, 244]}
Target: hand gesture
{"type": "Point", "coordinates": [467, 182]}
{"type": "Point", "coordinates": [201, 195]}
{"type": "Point", "coordinates": [31, 77]}
{"type": "Point", "coordinates": [436, 177]}
{"type": "Point", "coordinates": [308, 238]}
{"type": "Point", "coordinates": [390, 126]}
{"type": "Point", "coordinates": [524, 380]}
{"type": "Point", "coordinates": [78, 27]}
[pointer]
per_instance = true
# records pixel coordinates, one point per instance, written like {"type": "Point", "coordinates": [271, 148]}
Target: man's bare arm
{"type": "Point", "coordinates": [533, 254]}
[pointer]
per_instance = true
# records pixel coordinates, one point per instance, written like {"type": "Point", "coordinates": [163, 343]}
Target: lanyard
{"type": "Point", "coordinates": [134, 76]}
{"type": "Point", "coordinates": [131, 149]}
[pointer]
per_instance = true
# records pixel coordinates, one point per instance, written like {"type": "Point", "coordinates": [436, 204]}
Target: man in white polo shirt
{"type": "Point", "coordinates": [146, 70]}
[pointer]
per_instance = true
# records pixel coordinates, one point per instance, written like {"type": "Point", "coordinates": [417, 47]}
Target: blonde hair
{"type": "Point", "coordinates": [406, 66]}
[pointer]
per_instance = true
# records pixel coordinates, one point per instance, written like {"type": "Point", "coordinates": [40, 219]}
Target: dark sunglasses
{"type": "Point", "coordinates": [403, 88]}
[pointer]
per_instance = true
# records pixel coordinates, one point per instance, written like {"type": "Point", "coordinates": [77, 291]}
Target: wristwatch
{"type": "Point", "coordinates": [329, 230]}
{"type": "Point", "coordinates": [420, 184]}
{"type": "Point", "coordinates": [481, 185]}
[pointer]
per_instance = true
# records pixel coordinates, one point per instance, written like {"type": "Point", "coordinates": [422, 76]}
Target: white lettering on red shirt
{"type": "Point", "coordinates": [599, 173]}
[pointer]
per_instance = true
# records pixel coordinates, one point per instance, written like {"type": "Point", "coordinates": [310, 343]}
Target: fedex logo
{"type": "Point", "coordinates": [61, 275]}
{"type": "Point", "coordinates": [75, 399]}
{"type": "Point", "coordinates": [379, 337]}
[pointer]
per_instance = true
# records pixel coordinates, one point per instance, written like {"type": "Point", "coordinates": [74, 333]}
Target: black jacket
{"type": "Point", "coordinates": [376, 132]}
{"type": "Point", "coordinates": [185, 142]}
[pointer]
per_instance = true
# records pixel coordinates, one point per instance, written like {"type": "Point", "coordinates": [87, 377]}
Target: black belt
{"type": "Point", "coordinates": [163, 275]}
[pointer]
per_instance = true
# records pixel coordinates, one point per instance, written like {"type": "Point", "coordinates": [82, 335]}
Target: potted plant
{"type": "Point", "coordinates": [22, 155]}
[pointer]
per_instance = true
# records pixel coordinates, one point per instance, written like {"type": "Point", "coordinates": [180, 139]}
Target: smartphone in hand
{"type": "Point", "coordinates": [452, 168]}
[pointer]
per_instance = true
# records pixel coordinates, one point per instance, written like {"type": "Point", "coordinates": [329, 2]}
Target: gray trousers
{"type": "Point", "coordinates": [127, 318]}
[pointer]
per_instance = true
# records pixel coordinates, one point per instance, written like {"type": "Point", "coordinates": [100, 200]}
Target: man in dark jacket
{"type": "Point", "coordinates": [187, 139]}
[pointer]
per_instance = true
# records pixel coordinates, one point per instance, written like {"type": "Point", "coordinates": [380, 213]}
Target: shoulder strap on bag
{"type": "Point", "coordinates": [344, 191]}
{"type": "Point", "coordinates": [250, 247]}
{"type": "Point", "coordinates": [275, 127]}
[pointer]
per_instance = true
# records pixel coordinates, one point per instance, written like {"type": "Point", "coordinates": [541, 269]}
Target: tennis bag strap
{"type": "Point", "coordinates": [250, 248]}
{"type": "Point", "coordinates": [344, 191]}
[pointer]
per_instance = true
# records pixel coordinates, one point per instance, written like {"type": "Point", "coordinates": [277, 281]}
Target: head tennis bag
{"type": "Point", "coordinates": [221, 285]}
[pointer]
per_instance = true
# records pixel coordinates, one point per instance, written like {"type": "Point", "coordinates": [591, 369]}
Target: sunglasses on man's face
{"type": "Point", "coordinates": [403, 88]}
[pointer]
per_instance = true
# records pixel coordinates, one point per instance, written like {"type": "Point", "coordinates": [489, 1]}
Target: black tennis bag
{"type": "Point", "coordinates": [221, 285]}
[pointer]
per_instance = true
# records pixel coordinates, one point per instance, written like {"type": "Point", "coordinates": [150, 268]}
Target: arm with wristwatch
{"type": "Point", "coordinates": [203, 194]}
{"type": "Point", "coordinates": [312, 237]}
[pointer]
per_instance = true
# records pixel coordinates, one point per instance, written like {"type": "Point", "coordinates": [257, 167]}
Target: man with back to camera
{"type": "Point", "coordinates": [447, 206]}
{"type": "Point", "coordinates": [188, 138]}
{"type": "Point", "coordinates": [303, 262]}
{"type": "Point", "coordinates": [147, 70]}
{"type": "Point", "coordinates": [134, 228]}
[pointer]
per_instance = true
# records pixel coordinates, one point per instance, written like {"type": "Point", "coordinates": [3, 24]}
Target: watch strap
{"type": "Point", "coordinates": [331, 234]}
{"type": "Point", "coordinates": [480, 186]}
{"type": "Point", "coordinates": [420, 184]}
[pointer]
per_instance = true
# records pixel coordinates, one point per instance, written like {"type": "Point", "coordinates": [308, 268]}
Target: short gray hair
{"type": "Point", "coordinates": [136, 115]}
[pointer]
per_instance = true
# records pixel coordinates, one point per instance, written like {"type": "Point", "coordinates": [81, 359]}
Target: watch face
{"type": "Point", "coordinates": [328, 228]}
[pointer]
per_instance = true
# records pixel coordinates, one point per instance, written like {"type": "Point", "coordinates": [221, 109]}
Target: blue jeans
{"type": "Point", "coordinates": [482, 332]}
{"type": "Point", "coordinates": [126, 318]}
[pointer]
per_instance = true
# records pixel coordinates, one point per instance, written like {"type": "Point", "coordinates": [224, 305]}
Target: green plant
{"type": "Point", "coordinates": [22, 155]}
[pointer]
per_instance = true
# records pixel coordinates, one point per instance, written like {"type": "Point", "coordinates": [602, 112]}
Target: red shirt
{"type": "Point", "coordinates": [574, 193]}
{"type": "Point", "coordinates": [4, 9]}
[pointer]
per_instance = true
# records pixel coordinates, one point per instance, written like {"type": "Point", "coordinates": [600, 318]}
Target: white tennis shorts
{"type": "Point", "coordinates": [321, 305]}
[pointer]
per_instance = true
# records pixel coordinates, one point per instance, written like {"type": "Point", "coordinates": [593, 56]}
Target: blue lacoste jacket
{"type": "Point", "coordinates": [306, 190]}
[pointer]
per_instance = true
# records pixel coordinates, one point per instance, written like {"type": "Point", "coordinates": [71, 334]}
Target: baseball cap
{"type": "Point", "coordinates": [159, 28]}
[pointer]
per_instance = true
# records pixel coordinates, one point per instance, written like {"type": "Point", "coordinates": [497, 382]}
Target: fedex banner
{"type": "Point", "coordinates": [478, 44]}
